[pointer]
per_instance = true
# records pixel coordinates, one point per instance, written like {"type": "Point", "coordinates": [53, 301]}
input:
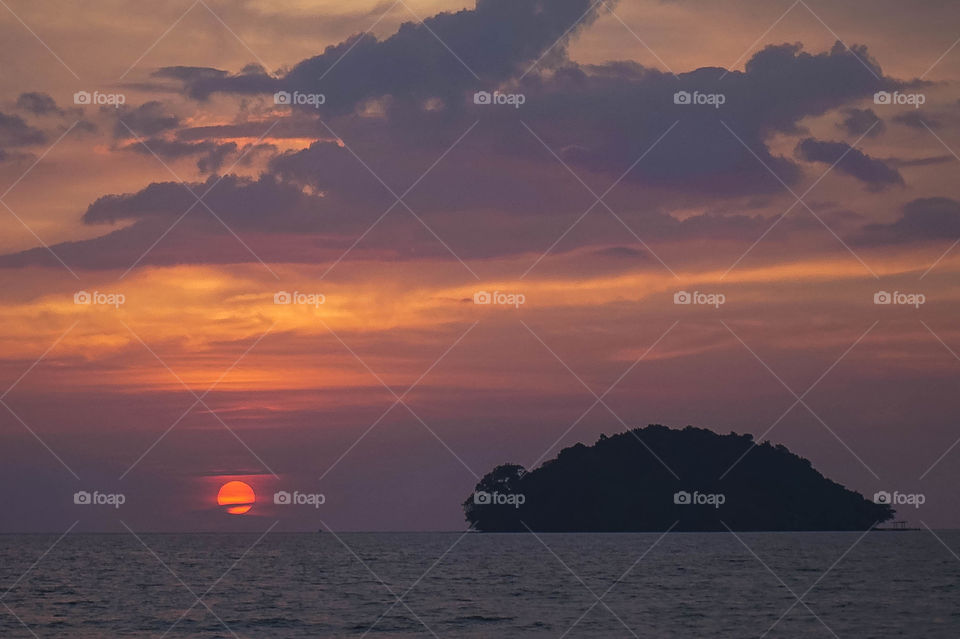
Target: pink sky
{"type": "Point", "coordinates": [187, 212]}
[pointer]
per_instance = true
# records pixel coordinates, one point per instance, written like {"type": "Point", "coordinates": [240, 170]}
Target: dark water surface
{"type": "Point", "coordinates": [688, 586]}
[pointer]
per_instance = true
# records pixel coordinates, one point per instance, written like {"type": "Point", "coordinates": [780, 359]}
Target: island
{"type": "Point", "coordinates": [657, 478]}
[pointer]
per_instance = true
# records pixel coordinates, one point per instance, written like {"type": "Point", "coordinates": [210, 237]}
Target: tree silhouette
{"type": "Point", "coordinates": [624, 483]}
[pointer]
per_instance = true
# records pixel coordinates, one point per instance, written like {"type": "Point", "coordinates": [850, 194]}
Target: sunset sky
{"type": "Point", "coordinates": [189, 202]}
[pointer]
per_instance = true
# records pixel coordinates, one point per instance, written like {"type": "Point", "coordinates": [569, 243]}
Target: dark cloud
{"type": "Point", "coordinates": [602, 118]}
{"type": "Point", "coordinates": [188, 74]}
{"type": "Point", "coordinates": [436, 58]}
{"type": "Point", "coordinates": [931, 218]}
{"type": "Point", "coordinates": [927, 161]}
{"type": "Point", "coordinates": [855, 163]}
{"type": "Point", "coordinates": [331, 168]}
{"type": "Point", "coordinates": [147, 119]}
{"type": "Point", "coordinates": [170, 149]}
{"type": "Point", "coordinates": [173, 86]}
{"type": "Point", "coordinates": [212, 155]}
{"type": "Point", "coordinates": [499, 191]}
{"type": "Point", "coordinates": [283, 224]}
{"type": "Point", "coordinates": [800, 83]}
{"type": "Point", "coordinates": [916, 119]}
{"type": "Point", "coordinates": [188, 242]}
{"type": "Point", "coordinates": [293, 126]}
{"type": "Point", "coordinates": [242, 203]}
{"type": "Point", "coordinates": [213, 160]}
{"type": "Point", "coordinates": [861, 122]}
{"type": "Point", "coordinates": [14, 132]}
{"type": "Point", "coordinates": [622, 252]}
{"type": "Point", "coordinates": [38, 104]}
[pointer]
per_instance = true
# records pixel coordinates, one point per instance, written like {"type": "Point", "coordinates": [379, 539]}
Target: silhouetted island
{"type": "Point", "coordinates": [622, 484]}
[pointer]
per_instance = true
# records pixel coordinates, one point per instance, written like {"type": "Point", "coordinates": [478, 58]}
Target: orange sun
{"type": "Point", "coordinates": [237, 496]}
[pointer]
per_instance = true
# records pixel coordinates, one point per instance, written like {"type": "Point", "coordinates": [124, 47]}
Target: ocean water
{"type": "Point", "coordinates": [904, 584]}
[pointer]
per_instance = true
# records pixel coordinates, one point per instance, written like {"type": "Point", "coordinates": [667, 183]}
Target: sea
{"type": "Point", "coordinates": [393, 585]}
